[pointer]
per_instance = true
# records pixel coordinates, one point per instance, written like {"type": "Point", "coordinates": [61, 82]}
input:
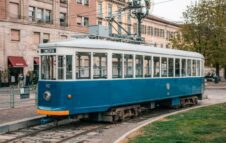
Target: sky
{"type": "Point", "coordinates": [171, 9]}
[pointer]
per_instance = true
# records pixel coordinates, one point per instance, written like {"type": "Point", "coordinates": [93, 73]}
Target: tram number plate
{"type": "Point", "coordinates": [48, 50]}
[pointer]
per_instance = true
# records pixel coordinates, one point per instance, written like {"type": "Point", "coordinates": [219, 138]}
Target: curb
{"type": "Point", "coordinates": [20, 124]}
{"type": "Point", "coordinates": [149, 121]}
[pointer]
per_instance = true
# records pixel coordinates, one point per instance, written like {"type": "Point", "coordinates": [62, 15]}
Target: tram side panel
{"type": "Point", "coordinates": [99, 96]}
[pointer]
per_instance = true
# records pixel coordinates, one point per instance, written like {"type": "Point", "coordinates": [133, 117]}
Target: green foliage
{"type": "Point", "coordinates": [204, 30]}
{"type": "Point", "coordinates": [202, 125]}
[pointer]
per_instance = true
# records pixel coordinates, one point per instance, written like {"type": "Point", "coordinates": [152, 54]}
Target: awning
{"type": "Point", "coordinates": [15, 61]}
{"type": "Point", "coordinates": [36, 60]}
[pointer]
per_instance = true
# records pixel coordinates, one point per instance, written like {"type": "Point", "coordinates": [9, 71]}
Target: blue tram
{"type": "Point", "coordinates": [111, 80]}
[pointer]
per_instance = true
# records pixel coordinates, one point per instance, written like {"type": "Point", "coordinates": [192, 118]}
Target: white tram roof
{"type": "Point", "coordinates": [120, 46]}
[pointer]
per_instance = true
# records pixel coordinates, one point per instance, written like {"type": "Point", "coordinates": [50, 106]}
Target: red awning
{"type": "Point", "coordinates": [17, 61]}
{"type": "Point", "coordinates": [36, 59]}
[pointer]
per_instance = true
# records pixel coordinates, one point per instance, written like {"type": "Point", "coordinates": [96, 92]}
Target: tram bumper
{"type": "Point", "coordinates": [52, 111]}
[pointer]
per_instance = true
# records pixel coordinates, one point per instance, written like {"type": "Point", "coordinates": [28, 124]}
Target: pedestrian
{"type": "Point", "coordinates": [20, 80]}
{"type": "Point", "coordinates": [27, 79]}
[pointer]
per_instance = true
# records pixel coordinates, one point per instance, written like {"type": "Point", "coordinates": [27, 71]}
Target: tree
{"type": "Point", "coordinates": [204, 31]}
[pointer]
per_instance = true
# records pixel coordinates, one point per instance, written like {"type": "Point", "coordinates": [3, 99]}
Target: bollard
{"type": "Point", "coordinates": [12, 97]}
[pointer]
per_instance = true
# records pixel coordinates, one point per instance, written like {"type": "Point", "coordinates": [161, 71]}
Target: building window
{"type": "Point", "coordinates": [36, 37]}
{"type": "Point", "coordinates": [39, 15]}
{"type": "Point", "coordinates": [109, 10]}
{"type": "Point", "coordinates": [63, 37]}
{"type": "Point", "coordinates": [31, 13]}
{"type": "Point", "coordinates": [46, 37]}
{"type": "Point", "coordinates": [63, 1]}
{"type": "Point", "coordinates": [47, 16]}
{"type": "Point", "coordinates": [86, 21]}
{"type": "Point", "coordinates": [79, 20]}
{"type": "Point", "coordinates": [62, 19]}
{"type": "Point", "coordinates": [86, 2]}
{"type": "Point", "coordinates": [99, 12]}
{"type": "Point", "coordinates": [14, 10]}
{"type": "Point", "coordinates": [79, 1]}
{"type": "Point", "coordinates": [99, 22]}
{"type": "Point", "coordinates": [128, 19]}
{"type": "Point", "coordinates": [15, 35]}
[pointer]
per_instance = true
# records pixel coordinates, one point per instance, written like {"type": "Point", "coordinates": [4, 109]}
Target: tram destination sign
{"type": "Point", "coordinates": [48, 50]}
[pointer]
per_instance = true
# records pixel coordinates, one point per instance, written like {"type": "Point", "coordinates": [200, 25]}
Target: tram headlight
{"type": "Point", "coordinates": [47, 95]}
{"type": "Point", "coordinates": [69, 96]}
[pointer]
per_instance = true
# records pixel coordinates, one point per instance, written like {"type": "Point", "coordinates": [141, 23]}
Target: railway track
{"type": "Point", "coordinates": [52, 133]}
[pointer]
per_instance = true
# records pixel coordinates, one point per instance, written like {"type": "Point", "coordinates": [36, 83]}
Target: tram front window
{"type": "Point", "coordinates": [48, 67]}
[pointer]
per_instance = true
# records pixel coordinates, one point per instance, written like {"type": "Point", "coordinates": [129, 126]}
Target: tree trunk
{"type": "Point", "coordinates": [217, 69]}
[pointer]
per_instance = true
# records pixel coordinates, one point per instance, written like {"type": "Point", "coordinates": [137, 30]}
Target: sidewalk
{"type": "Point", "coordinates": [14, 114]}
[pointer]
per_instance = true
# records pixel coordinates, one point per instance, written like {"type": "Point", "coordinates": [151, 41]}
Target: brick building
{"type": "Point", "coordinates": [26, 23]}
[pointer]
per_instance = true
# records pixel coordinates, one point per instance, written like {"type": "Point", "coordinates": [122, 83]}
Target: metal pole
{"type": "Point", "coordinates": [12, 98]}
{"type": "Point", "coordinates": [139, 18]}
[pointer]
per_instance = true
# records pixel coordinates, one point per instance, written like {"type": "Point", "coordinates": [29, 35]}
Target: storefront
{"type": "Point", "coordinates": [16, 65]}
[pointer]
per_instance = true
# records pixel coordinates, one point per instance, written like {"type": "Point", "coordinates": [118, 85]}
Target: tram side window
{"type": "Point", "coordinates": [198, 68]}
{"type": "Point", "coordinates": [116, 66]}
{"type": "Point", "coordinates": [177, 67]}
{"type": "Point", "coordinates": [48, 67]}
{"type": "Point", "coordinates": [147, 66]}
{"type": "Point", "coordinates": [156, 66]}
{"type": "Point", "coordinates": [188, 67]}
{"type": "Point", "coordinates": [164, 67]}
{"type": "Point", "coordinates": [139, 66]}
{"type": "Point", "coordinates": [99, 65]}
{"type": "Point", "coordinates": [202, 68]}
{"type": "Point", "coordinates": [83, 64]}
{"type": "Point", "coordinates": [128, 66]}
{"type": "Point", "coordinates": [183, 67]}
{"type": "Point", "coordinates": [170, 67]}
{"type": "Point", "coordinates": [69, 67]}
{"type": "Point", "coordinates": [60, 67]}
{"type": "Point", "coordinates": [193, 67]}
